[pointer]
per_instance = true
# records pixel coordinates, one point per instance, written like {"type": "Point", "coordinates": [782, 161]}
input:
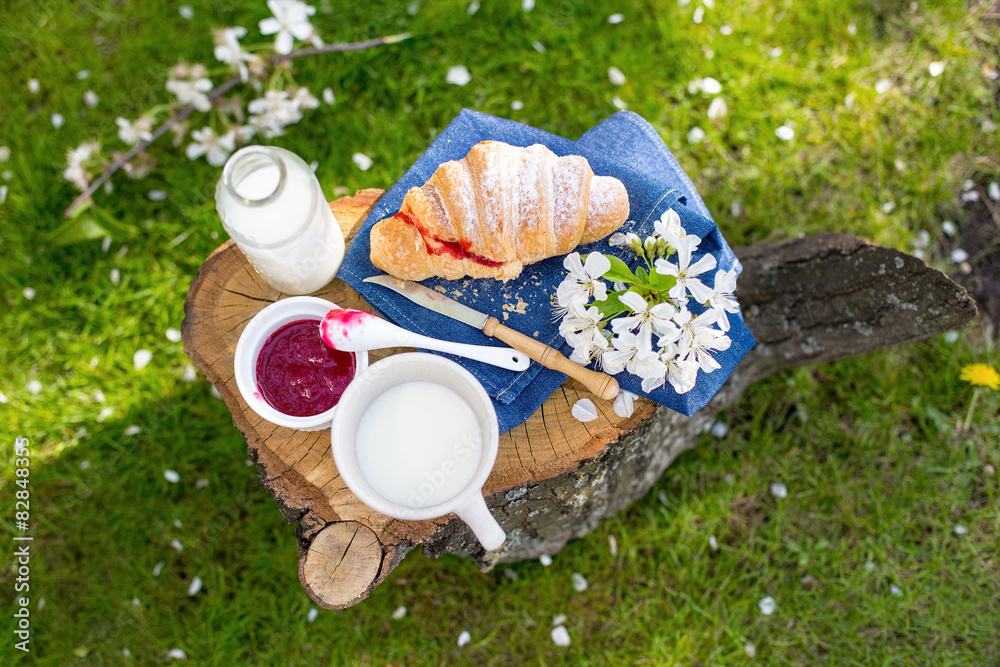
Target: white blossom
{"type": "Point", "coordinates": [658, 316]}
{"type": "Point", "coordinates": [273, 112]}
{"type": "Point", "coordinates": [684, 271]}
{"type": "Point", "coordinates": [615, 19]}
{"type": "Point", "coordinates": [582, 329]}
{"type": "Point", "coordinates": [90, 99]}
{"type": "Point", "coordinates": [616, 76]}
{"type": "Point", "coordinates": [935, 68]}
{"type": "Point", "coordinates": [722, 300]}
{"type": "Point", "coordinates": [582, 283]}
{"type": "Point", "coordinates": [135, 132]}
{"type": "Point", "coordinates": [681, 372]}
{"type": "Point", "coordinates": [767, 605]}
{"type": "Point", "coordinates": [229, 51]}
{"type": "Point", "coordinates": [290, 21]}
{"type": "Point", "coordinates": [216, 148]}
{"type": "Point", "coordinates": [81, 163]}
{"type": "Point", "coordinates": [191, 91]}
{"type": "Point", "coordinates": [464, 638]}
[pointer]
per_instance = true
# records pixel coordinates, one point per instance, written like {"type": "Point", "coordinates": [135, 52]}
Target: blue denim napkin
{"type": "Point", "coordinates": [624, 146]}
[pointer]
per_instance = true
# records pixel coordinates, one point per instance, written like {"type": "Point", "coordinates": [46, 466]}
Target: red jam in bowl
{"type": "Point", "coordinates": [300, 375]}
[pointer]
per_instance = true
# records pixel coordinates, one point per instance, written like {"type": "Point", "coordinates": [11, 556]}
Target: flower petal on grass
{"type": "Point", "coordinates": [779, 490]}
{"type": "Point", "coordinates": [767, 605]}
{"type": "Point", "coordinates": [176, 544]}
{"type": "Point", "coordinates": [960, 530]}
{"type": "Point", "coordinates": [464, 638]}
{"type": "Point", "coordinates": [696, 135]}
{"type": "Point", "coordinates": [615, 19]}
{"type": "Point", "coordinates": [616, 76]}
{"type": "Point", "coordinates": [28, 293]}
{"type": "Point", "coordinates": [935, 68]}
{"type": "Point", "coordinates": [173, 335]}
{"type": "Point", "coordinates": [158, 568]}
{"type": "Point", "coordinates": [171, 476]}
{"type": "Point", "coordinates": [785, 133]}
{"type": "Point", "coordinates": [141, 359]}
{"type": "Point", "coordinates": [177, 654]}
{"type": "Point", "coordinates": [458, 75]}
{"type": "Point", "coordinates": [194, 587]}
{"type": "Point", "coordinates": [399, 613]}
{"type": "Point", "coordinates": [312, 614]}
{"type": "Point", "coordinates": [545, 560]}
{"type": "Point", "coordinates": [33, 387]}
{"type": "Point", "coordinates": [560, 636]}
{"type": "Point", "coordinates": [579, 582]}
{"type": "Point", "coordinates": [362, 161]}
{"type": "Point", "coordinates": [717, 109]}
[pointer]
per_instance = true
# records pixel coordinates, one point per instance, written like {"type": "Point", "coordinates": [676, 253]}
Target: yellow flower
{"type": "Point", "coordinates": [981, 375]}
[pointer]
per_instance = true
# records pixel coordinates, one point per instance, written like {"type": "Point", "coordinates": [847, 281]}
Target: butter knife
{"type": "Point", "coordinates": [601, 384]}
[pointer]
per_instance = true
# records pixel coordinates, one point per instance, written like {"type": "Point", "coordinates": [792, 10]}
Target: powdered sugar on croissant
{"type": "Point", "coordinates": [495, 210]}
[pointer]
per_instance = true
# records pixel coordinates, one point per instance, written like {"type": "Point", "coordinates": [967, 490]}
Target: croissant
{"type": "Point", "coordinates": [495, 210]}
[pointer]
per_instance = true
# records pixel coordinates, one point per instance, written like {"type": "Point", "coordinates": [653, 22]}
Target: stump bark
{"type": "Point", "coordinates": [807, 300]}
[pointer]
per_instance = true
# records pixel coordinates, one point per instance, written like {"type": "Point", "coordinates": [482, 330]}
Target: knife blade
{"type": "Point", "coordinates": [601, 384]}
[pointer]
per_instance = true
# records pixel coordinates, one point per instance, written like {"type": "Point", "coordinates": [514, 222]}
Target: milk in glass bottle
{"type": "Point", "coordinates": [272, 205]}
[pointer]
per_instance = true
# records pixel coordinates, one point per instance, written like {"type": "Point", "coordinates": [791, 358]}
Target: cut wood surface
{"type": "Point", "coordinates": [808, 300]}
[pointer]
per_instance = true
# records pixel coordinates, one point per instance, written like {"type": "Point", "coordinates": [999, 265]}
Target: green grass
{"type": "Point", "coordinates": [868, 449]}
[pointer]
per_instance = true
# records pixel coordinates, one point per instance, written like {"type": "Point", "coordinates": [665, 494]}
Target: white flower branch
{"type": "Point", "coordinates": [214, 94]}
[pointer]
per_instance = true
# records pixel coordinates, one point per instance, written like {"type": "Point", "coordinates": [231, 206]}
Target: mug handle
{"type": "Point", "coordinates": [477, 516]}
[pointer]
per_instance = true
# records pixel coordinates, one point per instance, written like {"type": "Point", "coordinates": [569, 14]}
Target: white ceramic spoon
{"type": "Point", "coordinates": [356, 330]}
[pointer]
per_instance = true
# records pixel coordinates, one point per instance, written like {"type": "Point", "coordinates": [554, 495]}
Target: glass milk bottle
{"type": "Point", "coordinates": [272, 206]}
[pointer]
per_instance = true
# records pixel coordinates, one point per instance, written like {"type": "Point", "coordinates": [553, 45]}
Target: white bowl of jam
{"type": "Point", "coordinates": [284, 370]}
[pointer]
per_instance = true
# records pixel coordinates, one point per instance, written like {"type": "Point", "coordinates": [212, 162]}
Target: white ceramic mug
{"type": "Point", "coordinates": [252, 340]}
{"type": "Point", "coordinates": [468, 502]}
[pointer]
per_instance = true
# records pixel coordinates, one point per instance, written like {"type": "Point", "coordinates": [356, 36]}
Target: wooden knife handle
{"type": "Point", "coordinates": [601, 384]}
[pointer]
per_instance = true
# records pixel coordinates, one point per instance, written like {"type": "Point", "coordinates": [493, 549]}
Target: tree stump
{"type": "Point", "coordinates": [808, 300]}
